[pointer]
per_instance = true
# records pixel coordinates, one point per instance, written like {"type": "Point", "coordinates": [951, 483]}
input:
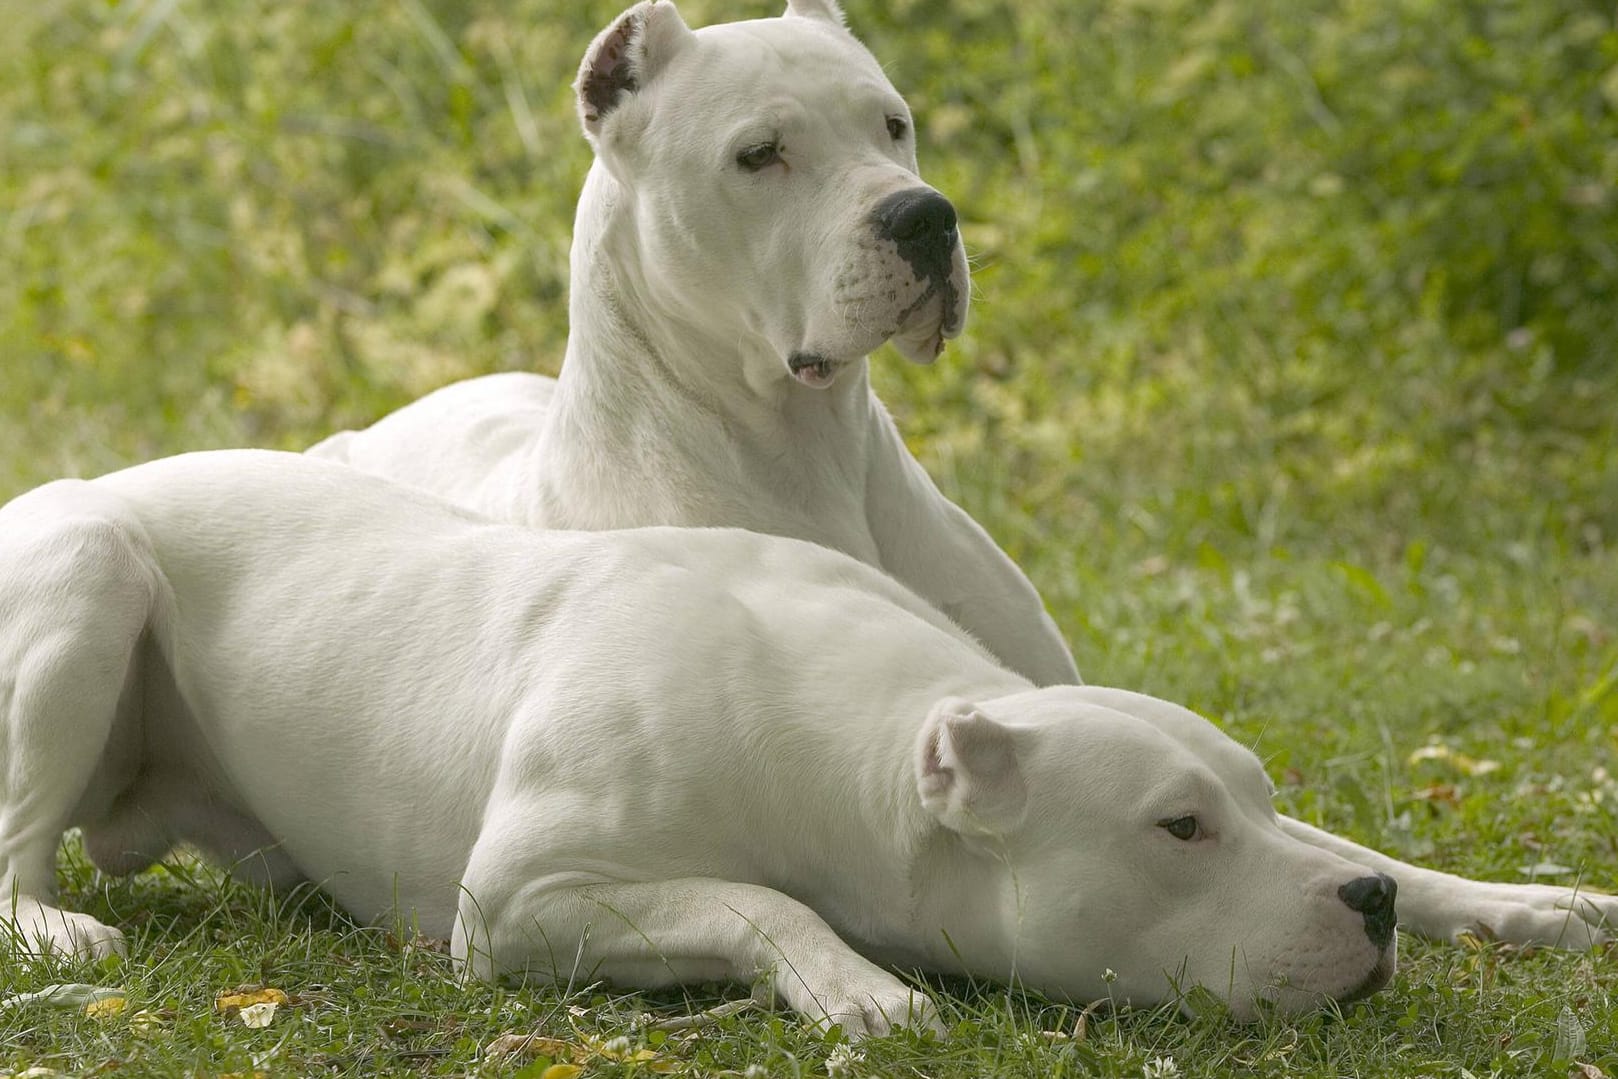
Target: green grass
{"type": "Point", "coordinates": [1292, 380]}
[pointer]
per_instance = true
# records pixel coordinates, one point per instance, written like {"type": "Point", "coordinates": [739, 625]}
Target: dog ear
{"type": "Point", "coordinates": [829, 10]}
{"type": "Point", "coordinates": [625, 57]}
{"type": "Point", "coordinates": [967, 771]}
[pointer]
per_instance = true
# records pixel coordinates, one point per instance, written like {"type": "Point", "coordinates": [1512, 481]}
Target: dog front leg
{"type": "Point", "coordinates": [1443, 906]}
{"type": "Point", "coordinates": [936, 549]}
{"type": "Point", "coordinates": [656, 933]}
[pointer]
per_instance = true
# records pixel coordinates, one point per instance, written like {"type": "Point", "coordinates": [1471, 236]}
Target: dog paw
{"type": "Point", "coordinates": [37, 929]}
{"type": "Point", "coordinates": [1541, 915]}
{"type": "Point", "coordinates": [875, 1013]}
{"type": "Point", "coordinates": [850, 992]}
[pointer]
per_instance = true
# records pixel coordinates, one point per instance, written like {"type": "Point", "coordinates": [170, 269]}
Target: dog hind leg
{"type": "Point", "coordinates": [77, 589]}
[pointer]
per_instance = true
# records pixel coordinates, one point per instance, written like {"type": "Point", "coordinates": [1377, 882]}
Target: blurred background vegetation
{"type": "Point", "coordinates": [1292, 376]}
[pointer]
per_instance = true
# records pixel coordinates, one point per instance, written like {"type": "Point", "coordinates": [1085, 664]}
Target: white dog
{"type": "Point", "coordinates": [753, 226]}
{"type": "Point", "coordinates": [648, 755]}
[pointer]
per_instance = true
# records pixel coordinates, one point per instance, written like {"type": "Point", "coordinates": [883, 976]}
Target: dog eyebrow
{"type": "Point", "coordinates": [1194, 789]}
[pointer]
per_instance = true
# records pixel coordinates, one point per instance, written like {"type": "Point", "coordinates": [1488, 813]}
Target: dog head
{"type": "Point", "coordinates": [1136, 855]}
{"type": "Point", "coordinates": [768, 189]}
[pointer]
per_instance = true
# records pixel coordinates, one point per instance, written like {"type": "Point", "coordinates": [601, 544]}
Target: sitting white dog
{"type": "Point", "coordinates": [753, 226]}
{"type": "Point", "coordinates": [651, 756]}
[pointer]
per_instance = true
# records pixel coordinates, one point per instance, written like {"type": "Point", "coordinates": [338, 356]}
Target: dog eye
{"type": "Point", "coordinates": [1183, 828]}
{"type": "Point", "coordinates": [897, 127]}
{"type": "Point", "coordinates": [759, 157]}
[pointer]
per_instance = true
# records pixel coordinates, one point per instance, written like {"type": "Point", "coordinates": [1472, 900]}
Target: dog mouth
{"type": "Point", "coordinates": [930, 320]}
{"type": "Point", "coordinates": [1373, 982]}
{"type": "Point", "coordinates": [813, 370]}
{"type": "Point", "coordinates": [918, 330]}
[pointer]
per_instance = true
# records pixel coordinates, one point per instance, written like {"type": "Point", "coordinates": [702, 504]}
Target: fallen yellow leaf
{"type": "Point", "coordinates": [1471, 766]}
{"type": "Point", "coordinates": [582, 1052]}
{"type": "Point", "coordinates": [619, 1051]}
{"type": "Point", "coordinates": [235, 1002]}
{"type": "Point", "coordinates": [105, 1008]}
{"type": "Point", "coordinates": [71, 995]}
{"type": "Point", "coordinates": [561, 1071]}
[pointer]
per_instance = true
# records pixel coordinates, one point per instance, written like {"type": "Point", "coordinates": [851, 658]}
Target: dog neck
{"type": "Point", "coordinates": [951, 903]}
{"type": "Point", "coordinates": [924, 898]}
{"type": "Point", "coordinates": [968, 904]}
{"type": "Point", "coordinates": [669, 422]}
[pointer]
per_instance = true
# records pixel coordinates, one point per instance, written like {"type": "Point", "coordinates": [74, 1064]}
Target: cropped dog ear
{"type": "Point", "coordinates": [625, 58]}
{"type": "Point", "coordinates": [829, 10]}
{"type": "Point", "coordinates": [967, 771]}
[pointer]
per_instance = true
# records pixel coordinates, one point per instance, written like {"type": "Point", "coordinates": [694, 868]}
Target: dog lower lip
{"type": "Point", "coordinates": [1379, 976]}
{"type": "Point", "coordinates": [810, 368]}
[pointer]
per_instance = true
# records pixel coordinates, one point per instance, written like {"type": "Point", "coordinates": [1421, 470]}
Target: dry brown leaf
{"type": "Point", "coordinates": [1471, 766]}
{"type": "Point", "coordinates": [1081, 1025]}
{"type": "Point", "coordinates": [527, 1047]}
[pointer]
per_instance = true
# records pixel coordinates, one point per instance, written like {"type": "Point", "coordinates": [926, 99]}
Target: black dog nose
{"type": "Point", "coordinates": [1372, 897]}
{"type": "Point", "coordinates": [922, 223]}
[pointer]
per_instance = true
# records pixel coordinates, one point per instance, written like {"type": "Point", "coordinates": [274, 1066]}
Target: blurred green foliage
{"type": "Point", "coordinates": [1299, 250]}
{"type": "Point", "coordinates": [1340, 242]}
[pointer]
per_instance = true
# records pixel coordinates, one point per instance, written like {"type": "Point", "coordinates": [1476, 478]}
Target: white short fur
{"type": "Point", "coordinates": [652, 755]}
{"type": "Point", "coordinates": [695, 283]}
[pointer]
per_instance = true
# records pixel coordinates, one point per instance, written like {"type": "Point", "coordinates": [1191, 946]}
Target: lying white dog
{"type": "Point", "coordinates": [649, 755]}
{"type": "Point", "coordinates": [753, 225]}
